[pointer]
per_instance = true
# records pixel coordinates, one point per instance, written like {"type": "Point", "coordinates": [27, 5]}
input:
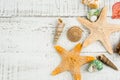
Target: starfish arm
{"type": "Point", "coordinates": [105, 41]}
{"type": "Point", "coordinates": [91, 38]}
{"type": "Point", "coordinates": [85, 22]}
{"type": "Point", "coordinates": [77, 76]}
{"type": "Point", "coordinates": [76, 73]}
{"type": "Point", "coordinates": [58, 70]}
{"type": "Point", "coordinates": [77, 48]}
{"type": "Point", "coordinates": [60, 50]}
{"type": "Point", "coordinates": [113, 27]}
{"type": "Point", "coordinates": [103, 15]}
{"type": "Point", "coordinates": [86, 59]}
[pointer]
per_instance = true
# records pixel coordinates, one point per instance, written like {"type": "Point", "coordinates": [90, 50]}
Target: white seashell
{"type": "Point", "coordinates": [92, 68]}
{"type": "Point", "coordinates": [93, 18]}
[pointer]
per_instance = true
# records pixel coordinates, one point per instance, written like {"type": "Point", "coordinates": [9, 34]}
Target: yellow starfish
{"type": "Point", "coordinates": [100, 30]}
{"type": "Point", "coordinates": [71, 61]}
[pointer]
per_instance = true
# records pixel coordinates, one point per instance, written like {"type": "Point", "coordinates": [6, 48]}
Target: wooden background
{"type": "Point", "coordinates": [26, 34]}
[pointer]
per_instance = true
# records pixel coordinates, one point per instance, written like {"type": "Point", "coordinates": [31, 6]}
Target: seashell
{"type": "Point", "coordinates": [93, 18]}
{"type": "Point", "coordinates": [74, 34]}
{"type": "Point", "coordinates": [91, 3]}
{"type": "Point", "coordinates": [95, 65]}
{"type": "Point", "coordinates": [116, 11]}
{"type": "Point", "coordinates": [93, 14]}
{"type": "Point", "coordinates": [59, 29]}
{"type": "Point", "coordinates": [106, 61]}
{"type": "Point", "coordinates": [117, 49]}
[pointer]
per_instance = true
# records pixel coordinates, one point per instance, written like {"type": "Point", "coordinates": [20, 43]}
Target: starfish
{"type": "Point", "coordinates": [71, 61]}
{"type": "Point", "coordinates": [100, 30]}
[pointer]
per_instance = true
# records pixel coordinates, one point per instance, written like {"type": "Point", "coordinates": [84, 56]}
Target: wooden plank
{"type": "Point", "coordinates": [31, 35]}
{"type": "Point", "coordinates": [11, 8]}
{"type": "Point", "coordinates": [26, 49]}
{"type": "Point", "coordinates": [27, 53]}
{"type": "Point", "coordinates": [28, 67]}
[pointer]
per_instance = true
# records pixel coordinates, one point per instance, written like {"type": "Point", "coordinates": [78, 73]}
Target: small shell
{"type": "Point", "coordinates": [59, 29]}
{"type": "Point", "coordinates": [106, 61]}
{"type": "Point", "coordinates": [93, 14]}
{"type": "Point", "coordinates": [95, 65]}
{"type": "Point", "coordinates": [116, 11]}
{"type": "Point", "coordinates": [91, 3]}
{"type": "Point", "coordinates": [74, 34]}
{"type": "Point", "coordinates": [93, 18]}
{"type": "Point", "coordinates": [117, 49]}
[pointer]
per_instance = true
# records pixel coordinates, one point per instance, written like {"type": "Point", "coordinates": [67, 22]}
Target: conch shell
{"type": "Point", "coordinates": [59, 29]}
{"type": "Point", "coordinates": [106, 61]}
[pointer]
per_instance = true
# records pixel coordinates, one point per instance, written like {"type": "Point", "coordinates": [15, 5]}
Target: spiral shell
{"type": "Point", "coordinates": [106, 61]}
{"type": "Point", "coordinates": [59, 29]}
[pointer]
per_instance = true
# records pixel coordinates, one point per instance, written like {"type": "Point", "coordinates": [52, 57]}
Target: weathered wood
{"type": "Point", "coordinates": [27, 53]}
{"type": "Point", "coordinates": [26, 49]}
{"type": "Point", "coordinates": [26, 66]}
{"type": "Point", "coordinates": [29, 35]}
{"type": "Point", "coordinates": [11, 8]}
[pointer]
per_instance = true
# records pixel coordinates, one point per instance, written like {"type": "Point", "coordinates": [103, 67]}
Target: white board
{"type": "Point", "coordinates": [12, 8]}
{"type": "Point", "coordinates": [26, 34]}
{"type": "Point", "coordinates": [27, 53]}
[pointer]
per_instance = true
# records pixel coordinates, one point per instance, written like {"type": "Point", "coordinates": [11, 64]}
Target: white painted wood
{"type": "Point", "coordinates": [26, 49]}
{"type": "Point", "coordinates": [27, 53]}
{"type": "Point", "coordinates": [29, 67]}
{"type": "Point", "coordinates": [29, 35]}
{"type": "Point", "coordinates": [11, 8]}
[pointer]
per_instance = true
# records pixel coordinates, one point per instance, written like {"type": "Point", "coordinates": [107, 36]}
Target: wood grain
{"type": "Point", "coordinates": [29, 35]}
{"type": "Point", "coordinates": [27, 28]}
{"type": "Point", "coordinates": [27, 53]}
{"type": "Point", "coordinates": [12, 8]}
